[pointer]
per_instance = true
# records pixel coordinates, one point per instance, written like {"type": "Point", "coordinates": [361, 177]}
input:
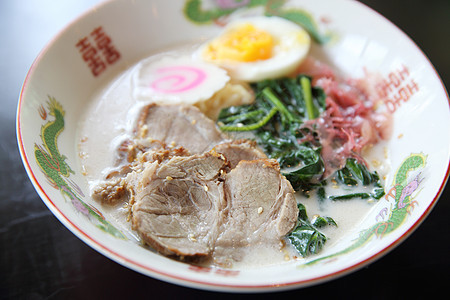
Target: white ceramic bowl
{"type": "Point", "coordinates": [122, 32]}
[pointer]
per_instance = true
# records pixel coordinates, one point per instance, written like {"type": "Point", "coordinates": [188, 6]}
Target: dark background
{"type": "Point", "coordinates": [41, 259]}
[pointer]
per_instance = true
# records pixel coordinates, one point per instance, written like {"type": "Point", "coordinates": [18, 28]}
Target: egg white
{"type": "Point", "coordinates": [292, 44]}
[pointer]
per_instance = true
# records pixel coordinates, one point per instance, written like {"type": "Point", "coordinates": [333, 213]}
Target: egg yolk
{"type": "Point", "coordinates": [245, 43]}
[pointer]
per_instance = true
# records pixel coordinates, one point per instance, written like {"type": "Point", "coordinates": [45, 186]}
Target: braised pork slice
{"type": "Point", "coordinates": [178, 125]}
{"type": "Point", "coordinates": [194, 193]}
{"type": "Point", "coordinates": [113, 189]}
{"type": "Point", "coordinates": [165, 131]}
{"type": "Point", "coordinates": [238, 150]}
{"type": "Point", "coordinates": [261, 209]}
{"type": "Point", "coordinates": [187, 206]}
{"type": "Point", "coordinates": [177, 204]}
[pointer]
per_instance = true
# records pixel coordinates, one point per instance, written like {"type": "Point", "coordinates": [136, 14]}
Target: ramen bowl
{"type": "Point", "coordinates": [96, 48]}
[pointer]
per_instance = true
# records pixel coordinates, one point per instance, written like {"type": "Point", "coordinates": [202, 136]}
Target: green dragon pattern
{"type": "Point", "coordinates": [57, 171]}
{"type": "Point", "coordinates": [401, 193]}
{"type": "Point", "coordinates": [195, 12]}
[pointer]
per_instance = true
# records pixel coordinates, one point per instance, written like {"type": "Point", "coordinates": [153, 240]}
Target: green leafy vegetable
{"type": "Point", "coordinates": [280, 108]}
{"type": "Point", "coordinates": [253, 115]}
{"type": "Point", "coordinates": [357, 175]}
{"type": "Point", "coordinates": [306, 237]}
{"type": "Point", "coordinates": [310, 109]}
{"type": "Point", "coordinates": [308, 173]}
{"type": "Point", "coordinates": [276, 117]}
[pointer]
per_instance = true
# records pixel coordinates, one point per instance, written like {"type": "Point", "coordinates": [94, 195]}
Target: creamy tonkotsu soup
{"type": "Point", "coordinates": [208, 154]}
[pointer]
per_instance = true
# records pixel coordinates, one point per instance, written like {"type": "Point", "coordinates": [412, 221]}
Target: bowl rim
{"type": "Point", "coordinates": [185, 281]}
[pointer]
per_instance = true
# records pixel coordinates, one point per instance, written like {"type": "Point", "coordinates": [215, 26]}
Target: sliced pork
{"type": "Point", "coordinates": [238, 150]}
{"type": "Point", "coordinates": [178, 125]}
{"type": "Point", "coordinates": [193, 193]}
{"type": "Point", "coordinates": [261, 209]}
{"type": "Point", "coordinates": [188, 207]}
{"type": "Point", "coordinates": [112, 189]}
{"type": "Point", "coordinates": [177, 204]}
{"type": "Point", "coordinates": [159, 125]}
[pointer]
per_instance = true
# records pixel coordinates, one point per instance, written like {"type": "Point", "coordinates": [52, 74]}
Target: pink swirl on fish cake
{"type": "Point", "coordinates": [176, 81]}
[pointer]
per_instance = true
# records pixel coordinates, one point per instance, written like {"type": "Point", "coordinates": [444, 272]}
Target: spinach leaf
{"type": "Point", "coordinates": [242, 122]}
{"type": "Point", "coordinates": [296, 94]}
{"type": "Point", "coordinates": [309, 171]}
{"type": "Point", "coordinates": [275, 118]}
{"type": "Point", "coordinates": [246, 117]}
{"type": "Point", "coordinates": [292, 97]}
{"type": "Point", "coordinates": [357, 175]}
{"type": "Point", "coordinates": [280, 108]}
{"type": "Point", "coordinates": [306, 237]}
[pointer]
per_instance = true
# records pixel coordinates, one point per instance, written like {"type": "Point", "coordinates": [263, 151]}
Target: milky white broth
{"type": "Point", "coordinates": [109, 118]}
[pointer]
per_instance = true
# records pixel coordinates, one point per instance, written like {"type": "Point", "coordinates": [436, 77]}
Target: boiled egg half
{"type": "Point", "coordinates": [257, 48]}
